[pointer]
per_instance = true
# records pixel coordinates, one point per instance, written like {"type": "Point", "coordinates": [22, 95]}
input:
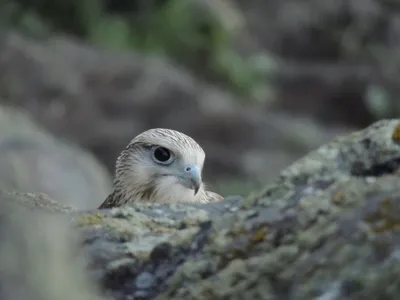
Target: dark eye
{"type": "Point", "coordinates": [162, 155]}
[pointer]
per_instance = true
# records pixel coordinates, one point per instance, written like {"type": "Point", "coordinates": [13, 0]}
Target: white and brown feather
{"type": "Point", "coordinates": [136, 178]}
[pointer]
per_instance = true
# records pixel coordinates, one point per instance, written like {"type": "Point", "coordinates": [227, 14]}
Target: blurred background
{"type": "Point", "coordinates": [258, 83]}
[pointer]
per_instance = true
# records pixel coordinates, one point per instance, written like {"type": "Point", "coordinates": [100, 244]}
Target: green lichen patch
{"type": "Point", "coordinates": [396, 134]}
{"type": "Point", "coordinates": [89, 219]}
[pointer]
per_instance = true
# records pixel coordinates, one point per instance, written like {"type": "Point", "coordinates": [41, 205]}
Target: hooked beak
{"type": "Point", "coordinates": [191, 178]}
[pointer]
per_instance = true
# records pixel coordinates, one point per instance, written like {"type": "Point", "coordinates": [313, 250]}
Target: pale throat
{"type": "Point", "coordinates": [169, 190]}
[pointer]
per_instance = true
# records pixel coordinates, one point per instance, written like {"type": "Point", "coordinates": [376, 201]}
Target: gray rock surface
{"type": "Point", "coordinates": [326, 228]}
{"type": "Point", "coordinates": [328, 70]}
{"type": "Point", "coordinates": [38, 256]}
{"type": "Point", "coordinates": [32, 160]}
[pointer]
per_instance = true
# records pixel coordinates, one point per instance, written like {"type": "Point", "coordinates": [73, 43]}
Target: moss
{"type": "Point", "coordinates": [90, 219]}
{"type": "Point", "coordinates": [338, 198]}
{"type": "Point", "coordinates": [396, 134]}
{"type": "Point", "coordinates": [258, 236]}
{"type": "Point", "coordinates": [383, 220]}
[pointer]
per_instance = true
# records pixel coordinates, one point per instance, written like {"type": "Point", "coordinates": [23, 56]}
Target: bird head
{"type": "Point", "coordinates": [161, 164]}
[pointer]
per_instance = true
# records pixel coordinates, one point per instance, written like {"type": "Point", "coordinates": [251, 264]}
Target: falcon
{"type": "Point", "coordinates": [160, 166]}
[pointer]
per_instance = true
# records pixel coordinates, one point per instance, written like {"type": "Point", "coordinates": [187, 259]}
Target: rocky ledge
{"type": "Point", "coordinates": [327, 228]}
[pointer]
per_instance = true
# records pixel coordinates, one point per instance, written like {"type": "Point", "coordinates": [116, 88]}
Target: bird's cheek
{"type": "Point", "coordinates": [171, 190]}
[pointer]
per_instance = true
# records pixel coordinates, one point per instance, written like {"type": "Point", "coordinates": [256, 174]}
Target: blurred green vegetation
{"type": "Point", "coordinates": [180, 30]}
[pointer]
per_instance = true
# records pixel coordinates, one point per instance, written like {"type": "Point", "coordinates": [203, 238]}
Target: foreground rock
{"type": "Point", "coordinates": [38, 259]}
{"type": "Point", "coordinates": [31, 160]}
{"type": "Point", "coordinates": [327, 228]}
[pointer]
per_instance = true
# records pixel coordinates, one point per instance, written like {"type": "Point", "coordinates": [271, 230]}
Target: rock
{"type": "Point", "coordinates": [38, 257]}
{"type": "Point", "coordinates": [31, 160]}
{"type": "Point", "coordinates": [327, 70]}
{"type": "Point", "coordinates": [326, 228]}
{"type": "Point", "coordinates": [101, 99]}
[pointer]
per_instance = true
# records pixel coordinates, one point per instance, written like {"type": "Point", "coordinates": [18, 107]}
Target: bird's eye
{"type": "Point", "coordinates": [162, 155]}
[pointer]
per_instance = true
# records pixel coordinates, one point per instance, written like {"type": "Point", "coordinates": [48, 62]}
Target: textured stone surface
{"type": "Point", "coordinates": [327, 228]}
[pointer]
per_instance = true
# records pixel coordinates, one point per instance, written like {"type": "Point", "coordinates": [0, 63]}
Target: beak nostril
{"type": "Point", "coordinates": [191, 177]}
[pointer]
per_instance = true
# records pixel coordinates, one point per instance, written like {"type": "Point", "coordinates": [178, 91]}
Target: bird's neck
{"type": "Point", "coordinates": [129, 188]}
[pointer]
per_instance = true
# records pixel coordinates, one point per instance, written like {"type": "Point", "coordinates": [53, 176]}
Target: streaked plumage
{"type": "Point", "coordinates": [141, 176]}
